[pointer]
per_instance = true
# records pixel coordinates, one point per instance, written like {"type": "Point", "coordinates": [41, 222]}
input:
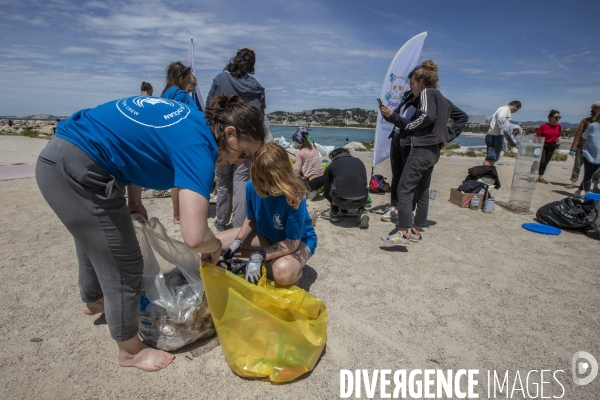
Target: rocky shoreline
{"type": "Point", "coordinates": [42, 127]}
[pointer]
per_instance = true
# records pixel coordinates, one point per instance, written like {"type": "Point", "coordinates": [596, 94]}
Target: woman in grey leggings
{"type": "Point", "coordinates": [98, 154]}
{"type": "Point", "coordinates": [237, 79]}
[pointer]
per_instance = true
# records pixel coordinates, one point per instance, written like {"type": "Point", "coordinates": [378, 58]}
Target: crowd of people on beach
{"type": "Point", "coordinates": [93, 171]}
{"type": "Point", "coordinates": [585, 147]}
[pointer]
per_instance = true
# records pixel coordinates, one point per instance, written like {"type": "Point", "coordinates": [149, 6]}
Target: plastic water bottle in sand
{"type": "Point", "coordinates": [488, 206]}
{"type": "Point", "coordinates": [474, 203]}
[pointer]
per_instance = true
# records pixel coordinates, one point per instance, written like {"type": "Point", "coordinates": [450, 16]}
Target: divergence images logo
{"type": "Point", "coordinates": [580, 367]}
{"type": "Point", "coordinates": [153, 112]}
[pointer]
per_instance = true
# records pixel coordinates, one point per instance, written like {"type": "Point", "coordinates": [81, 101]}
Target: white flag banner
{"type": "Point", "coordinates": [191, 65]}
{"type": "Point", "coordinates": [394, 85]}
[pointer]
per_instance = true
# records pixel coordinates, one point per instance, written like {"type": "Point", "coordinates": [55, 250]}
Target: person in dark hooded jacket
{"type": "Point", "coordinates": [236, 79]}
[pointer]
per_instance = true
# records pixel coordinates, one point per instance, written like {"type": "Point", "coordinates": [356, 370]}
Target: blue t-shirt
{"type": "Point", "coordinates": [176, 93]}
{"type": "Point", "coordinates": [277, 221]}
{"type": "Point", "coordinates": [147, 141]}
{"type": "Point", "coordinates": [591, 148]}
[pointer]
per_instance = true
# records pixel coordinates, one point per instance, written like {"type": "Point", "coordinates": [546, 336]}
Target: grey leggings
{"type": "Point", "coordinates": [231, 186]}
{"type": "Point", "coordinates": [91, 205]}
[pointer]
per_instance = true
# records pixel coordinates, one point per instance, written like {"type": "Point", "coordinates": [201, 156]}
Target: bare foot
{"type": "Point", "coordinates": [176, 220]}
{"type": "Point", "coordinates": [133, 353]}
{"type": "Point", "coordinates": [94, 308]}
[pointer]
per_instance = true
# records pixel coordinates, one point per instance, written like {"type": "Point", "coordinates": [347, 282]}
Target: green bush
{"type": "Point", "coordinates": [368, 145]}
{"type": "Point", "coordinates": [29, 132]}
{"type": "Point", "coordinates": [453, 146]}
{"type": "Point", "coordinates": [559, 157]}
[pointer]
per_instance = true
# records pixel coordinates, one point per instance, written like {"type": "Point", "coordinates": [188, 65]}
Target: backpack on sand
{"type": "Point", "coordinates": [377, 184]}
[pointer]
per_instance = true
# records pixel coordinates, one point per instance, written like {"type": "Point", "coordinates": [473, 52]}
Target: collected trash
{"type": "Point", "coordinates": [172, 310]}
{"type": "Point", "coordinates": [265, 330]}
{"type": "Point", "coordinates": [525, 175]}
{"type": "Point", "coordinates": [474, 204]}
{"type": "Point", "coordinates": [568, 213]}
{"type": "Point", "coordinates": [488, 206]}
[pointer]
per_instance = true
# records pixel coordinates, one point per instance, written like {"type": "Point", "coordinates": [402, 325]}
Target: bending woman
{"type": "Point", "coordinates": [430, 133]}
{"type": "Point", "coordinates": [278, 227]}
{"type": "Point", "coordinates": [308, 165]}
{"type": "Point", "coordinates": [137, 142]}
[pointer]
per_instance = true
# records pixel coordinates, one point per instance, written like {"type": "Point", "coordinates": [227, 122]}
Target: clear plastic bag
{"type": "Point", "coordinates": [173, 311]}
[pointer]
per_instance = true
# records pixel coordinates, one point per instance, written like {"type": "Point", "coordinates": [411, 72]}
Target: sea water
{"type": "Point", "coordinates": [337, 136]}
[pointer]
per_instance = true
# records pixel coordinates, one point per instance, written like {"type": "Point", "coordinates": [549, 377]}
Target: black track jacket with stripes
{"type": "Point", "coordinates": [431, 124]}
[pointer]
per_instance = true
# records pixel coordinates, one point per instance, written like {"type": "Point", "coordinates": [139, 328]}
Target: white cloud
{"type": "Point", "coordinates": [532, 72]}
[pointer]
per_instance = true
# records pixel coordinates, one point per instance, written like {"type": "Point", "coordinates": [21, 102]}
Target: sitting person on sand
{"type": "Point", "coordinates": [308, 165]}
{"type": "Point", "coordinates": [346, 187]}
{"type": "Point", "coordinates": [278, 227]}
{"type": "Point", "coordinates": [85, 169]}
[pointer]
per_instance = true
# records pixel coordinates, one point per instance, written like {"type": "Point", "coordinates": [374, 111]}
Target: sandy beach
{"type": "Point", "coordinates": [478, 292]}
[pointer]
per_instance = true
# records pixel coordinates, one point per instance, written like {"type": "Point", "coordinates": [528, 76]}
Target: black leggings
{"type": "Point", "coordinates": [589, 170]}
{"type": "Point", "coordinates": [398, 157]}
{"type": "Point", "coordinates": [314, 184]}
{"type": "Point", "coordinates": [547, 153]}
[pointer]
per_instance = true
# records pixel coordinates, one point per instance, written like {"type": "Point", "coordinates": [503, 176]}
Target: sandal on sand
{"type": "Point", "coordinates": [542, 180]}
{"type": "Point", "coordinates": [572, 186]}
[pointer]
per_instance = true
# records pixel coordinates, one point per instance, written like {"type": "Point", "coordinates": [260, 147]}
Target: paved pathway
{"type": "Point", "coordinates": [9, 172]}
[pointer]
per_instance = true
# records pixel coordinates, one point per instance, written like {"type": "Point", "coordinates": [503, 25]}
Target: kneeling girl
{"type": "Point", "coordinates": [278, 227]}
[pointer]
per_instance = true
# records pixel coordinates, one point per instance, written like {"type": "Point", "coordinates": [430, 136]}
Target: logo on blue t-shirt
{"type": "Point", "coordinates": [277, 222]}
{"type": "Point", "coordinates": [154, 112]}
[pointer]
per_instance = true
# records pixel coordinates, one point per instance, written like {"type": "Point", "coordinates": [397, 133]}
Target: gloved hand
{"type": "Point", "coordinates": [254, 267]}
{"type": "Point", "coordinates": [235, 246]}
{"type": "Point", "coordinates": [572, 153]}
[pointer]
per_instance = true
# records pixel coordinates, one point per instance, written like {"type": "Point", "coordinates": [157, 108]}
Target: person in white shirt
{"type": "Point", "coordinates": [500, 123]}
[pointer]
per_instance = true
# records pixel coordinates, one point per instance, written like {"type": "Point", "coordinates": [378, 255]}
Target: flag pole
{"type": "Point", "coordinates": [191, 65]}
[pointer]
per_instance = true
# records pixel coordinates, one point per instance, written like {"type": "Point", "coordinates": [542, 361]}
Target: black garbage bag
{"type": "Point", "coordinates": [593, 231]}
{"type": "Point", "coordinates": [568, 213]}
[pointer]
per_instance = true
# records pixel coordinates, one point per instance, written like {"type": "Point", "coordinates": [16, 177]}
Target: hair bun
{"type": "Point", "coordinates": [429, 65]}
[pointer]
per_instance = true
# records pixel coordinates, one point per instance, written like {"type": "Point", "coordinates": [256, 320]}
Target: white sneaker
{"type": "Point", "coordinates": [396, 239]}
{"type": "Point", "coordinates": [363, 219]}
{"type": "Point", "coordinates": [389, 215]}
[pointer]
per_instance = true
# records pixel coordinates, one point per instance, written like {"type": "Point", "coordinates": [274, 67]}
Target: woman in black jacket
{"type": "Point", "coordinates": [400, 144]}
{"type": "Point", "coordinates": [430, 133]}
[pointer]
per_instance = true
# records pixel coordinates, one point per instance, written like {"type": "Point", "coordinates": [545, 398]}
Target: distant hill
{"type": "Point", "coordinates": [532, 123]}
{"type": "Point", "coordinates": [36, 117]}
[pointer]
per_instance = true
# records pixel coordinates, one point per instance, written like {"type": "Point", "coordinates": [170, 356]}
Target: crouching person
{"type": "Point", "coordinates": [278, 230]}
{"type": "Point", "coordinates": [345, 187]}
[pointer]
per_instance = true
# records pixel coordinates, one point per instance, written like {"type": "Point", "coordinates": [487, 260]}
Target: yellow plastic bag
{"type": "Point", "coordinates": [265, 330]}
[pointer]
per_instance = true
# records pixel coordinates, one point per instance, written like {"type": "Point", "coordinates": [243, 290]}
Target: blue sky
{"type": "Point", "coordinates": [59, 56]}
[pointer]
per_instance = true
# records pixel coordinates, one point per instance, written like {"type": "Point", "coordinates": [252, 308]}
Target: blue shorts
{"type": "Point", "coordinates": [494, 147]}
